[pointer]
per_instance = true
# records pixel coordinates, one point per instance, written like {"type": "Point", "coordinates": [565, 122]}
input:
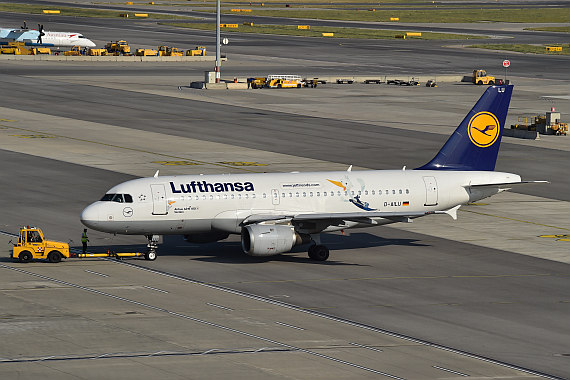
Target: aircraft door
{"type": "Point", "coordinates": [275, 196]}
{"type": "Point", "coordinates": [158, 199]}
{"type": "Point", "coordinates": [431, 191]}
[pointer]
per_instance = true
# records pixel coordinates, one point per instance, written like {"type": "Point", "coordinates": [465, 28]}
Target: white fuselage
{"type": "Point", "coordinates": [55, 39]}
{"type": "Point", "coordinates": [201, 204]}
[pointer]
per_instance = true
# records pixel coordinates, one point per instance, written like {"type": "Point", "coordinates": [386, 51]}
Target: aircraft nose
{"type": "Point", "coordinates": [90, 216]}
{"type": "Point", "coordinates": [90, 44]}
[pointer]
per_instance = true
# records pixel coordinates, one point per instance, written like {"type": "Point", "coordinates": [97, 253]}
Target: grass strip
{"type": "Point", "coordinates": [525, 48]}
{"type": "Point", "coordinates": [291, 30]}
{"type": "Point", "coordinates": [80, 12]}
{"type": "Point", "coordinates": [435, 15]}
{"type": "Point", "coordinates": [563, 29]}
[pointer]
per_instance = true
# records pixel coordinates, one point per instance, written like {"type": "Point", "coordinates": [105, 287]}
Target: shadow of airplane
{"type": "Point", "coordinates": [230, 251]}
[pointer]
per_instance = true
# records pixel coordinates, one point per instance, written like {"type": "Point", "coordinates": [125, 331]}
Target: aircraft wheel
{"type": "Point", "coordinates": [25, 257]}
{"type": "Point", "coordinates": [150, 255]}
{"type": "Point", "coordinates": [54, 257]}
{"type": "Point", "coordinates": [319, 252]}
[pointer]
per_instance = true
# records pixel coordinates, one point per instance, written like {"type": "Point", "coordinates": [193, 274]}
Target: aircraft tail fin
{"type": "Point", "coordinates": [475, 143]}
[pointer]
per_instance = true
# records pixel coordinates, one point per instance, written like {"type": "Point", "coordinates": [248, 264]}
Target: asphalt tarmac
{"type": "Point", "coordinates": [495, 303]}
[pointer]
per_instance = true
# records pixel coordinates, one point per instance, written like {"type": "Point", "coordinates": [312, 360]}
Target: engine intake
{"type": "Point", "coordinates": [269, 240]}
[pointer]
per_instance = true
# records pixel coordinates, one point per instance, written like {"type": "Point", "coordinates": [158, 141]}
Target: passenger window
{"type": "Point", "coordinates": [359, 192]}
{"type": "Point", "coordinates": [264, 195]}
{"type": "Point", "coordinates": [304, 194]}
{"type": "Point", "coordinates": [129, 199]}
{"type": "Point", "coordinates": [352, 192]}
{"type": "Point", "coordinates": [253, 195]}
{"type": "Point", "coordinates": [282, 195]}
{"type": "Point", "coordinates": [239, 196]}
{"type": "Point", "coordinates": [379, 192]}
{"type": "Point", "coordinates": [338, 193]}
{"type": "Point", "coordinates": [233, 196]}
{"type": "Point", "coordinates": [332, 193]}
{"type": "Point", "coordinates": [400, 191]}
{"type": "Point", "coordinates": [393, 191]}
{"type": "Point", "coordinates": [225, 196]}
{"type": "Point", "coordinates": [182, 197]}
{"type": "Point", "coordinates": [366, 192]}
{"type": "Point", "coordinates": [197, 197]}
{"type": "Point", "coordinates": [311, 194]}
{"type": "Point", "coordinates": [290, 195]}
{"type": "Point", "coordinates": [407, 191]}
{"type": "Point", "coordinates": [373, 193]}
{"type": "Point", "coordinates": [318, 193]}
{"type": "Point", "coordinates": [211, 197]}
{"type": "Point", "coordinates": [297, 195]}
{"type": "Point", "coordinates": [218, 196]}
{"type": "Point", "coordinates": [246, 196]}
{"type": "Point", "coordinates": [325, 193]}
{"type": "Point", "coordinates": [204, 197]}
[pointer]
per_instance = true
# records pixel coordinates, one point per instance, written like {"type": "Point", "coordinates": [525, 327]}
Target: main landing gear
{"type": "Point", "coordinates": [317, 251]}
{"type": "Point", "coordinates": [152, 246]}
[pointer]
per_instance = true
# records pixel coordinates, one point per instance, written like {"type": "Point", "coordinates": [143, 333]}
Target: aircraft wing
{"type": "Point", "coordinates": [359, 217]}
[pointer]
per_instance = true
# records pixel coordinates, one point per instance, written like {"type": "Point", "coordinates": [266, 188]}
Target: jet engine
{"type": "Point", "coordinates": [269, 240]}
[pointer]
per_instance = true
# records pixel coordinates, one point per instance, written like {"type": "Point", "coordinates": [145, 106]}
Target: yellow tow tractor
{"type": "Point", "coordinates": [118, 48]}
{"type": "Point", "coordinates": [75, 51]}
{"type": "Point", "coordinates": [169, 51]}
{"type": "Point", "coordinates": [33, 245]}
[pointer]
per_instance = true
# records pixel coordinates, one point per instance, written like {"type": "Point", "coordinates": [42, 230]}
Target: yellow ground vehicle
{"type": "Point", "coordinates": [284, 83]}
{"type": "Point", "coordinates": [259, 82]}
{"type": "Point", "coordinates": [146, 52]}
{"type": "Point", "coordinates": [169, 51]}
{"type": "Point", "coordinates": [39, 50]}
{"type": "Point", "coordinates": [200, 50]}
{"type": "Point", "coordinates": [16, 48]}
{"type": "Point", "coordinates": [118, 47]}
{"type": "Point", "coordinates": [97, 52]}
{"type": "Point", "coordinates": [32, 245]}
{"type": "Point", "coordinates": [481, 77]}
{"type": "Point", "coordinates": [75, 50]}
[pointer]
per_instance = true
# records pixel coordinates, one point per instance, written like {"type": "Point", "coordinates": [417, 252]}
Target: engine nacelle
{"type": "Point", "coordinates": [269, 240]}
{"type": "Point", "coordinates": [208, 237]}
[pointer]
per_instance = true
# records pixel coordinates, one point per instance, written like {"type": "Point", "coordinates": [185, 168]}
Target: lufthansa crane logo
{"type": "Point", "coordinates": [483, 129]}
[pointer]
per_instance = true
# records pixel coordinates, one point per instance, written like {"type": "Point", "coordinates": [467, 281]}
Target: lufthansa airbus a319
{"type": "Point", "coordinates": [275, 211]}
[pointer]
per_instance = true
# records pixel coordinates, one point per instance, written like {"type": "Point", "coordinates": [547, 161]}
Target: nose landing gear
{"type": "Point", "coordinates": [152, 246]}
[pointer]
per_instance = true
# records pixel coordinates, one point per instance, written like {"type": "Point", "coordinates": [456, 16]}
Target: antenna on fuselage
{"type": "Point", "coordinates": [349, 168]}
{"type": "Point", "coordinates": [156, 174]}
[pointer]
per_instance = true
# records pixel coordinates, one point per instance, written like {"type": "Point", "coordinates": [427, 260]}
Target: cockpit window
{"type": "Point", "coordinates": [119, 198]}
{"type": "Point", "coordinates": [107, 197]}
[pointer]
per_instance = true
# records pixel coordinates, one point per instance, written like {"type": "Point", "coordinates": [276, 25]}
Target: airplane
{"type": "Point", "coordinates": [39, 37]}
{"type": "Point", "coordinates": [275, 211]}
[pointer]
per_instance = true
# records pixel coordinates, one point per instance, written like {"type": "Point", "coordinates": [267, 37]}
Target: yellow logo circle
{"type": "Point", "coordinates": [483, 129]}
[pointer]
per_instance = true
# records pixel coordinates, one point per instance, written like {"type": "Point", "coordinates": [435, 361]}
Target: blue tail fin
{"type": "Point", "coordinates": [475, 143]}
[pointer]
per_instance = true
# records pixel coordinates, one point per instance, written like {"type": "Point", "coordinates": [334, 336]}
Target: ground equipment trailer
{"type": "Point", "coordinates": [33, 245]}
